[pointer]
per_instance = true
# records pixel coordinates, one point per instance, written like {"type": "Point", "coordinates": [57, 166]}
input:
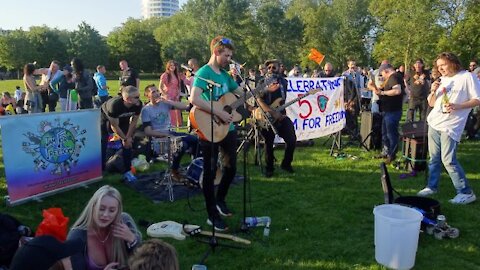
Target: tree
{"type": "Point", "coordinates": [46, 45]}
{"type": "Point", "coordinates": [406, 30]}
{"type": "Point", "coordinates": [464, 37]}
{"type": "Point", "coordinates": [134, 41]}
{"type": "Point", "coordinates": [15, 50]}
{"type": "Point", "coordinates": [88, 45]}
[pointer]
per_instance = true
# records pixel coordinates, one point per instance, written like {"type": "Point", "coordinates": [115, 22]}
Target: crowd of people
{"type": "Point", "coordinates": [104, 237]}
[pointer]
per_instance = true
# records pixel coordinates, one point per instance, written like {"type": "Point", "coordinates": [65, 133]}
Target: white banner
{"type": "Point", "coordinates": [319, 114]}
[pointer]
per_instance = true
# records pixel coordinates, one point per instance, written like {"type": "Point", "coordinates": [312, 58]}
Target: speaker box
{"type": "Point", "coordinates": [415, 152]}
{"type": "Point", "coordinates": [371, 130]}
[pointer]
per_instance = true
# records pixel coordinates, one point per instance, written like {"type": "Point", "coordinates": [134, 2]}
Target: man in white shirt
{"type": "Point", "coordinates": [446, 123]}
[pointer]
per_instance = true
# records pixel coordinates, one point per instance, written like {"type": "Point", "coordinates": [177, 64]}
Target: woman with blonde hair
{"type": "Point", "coordinates": [109, 234]}
{"type": "Point", "coordinates": [170, 86]}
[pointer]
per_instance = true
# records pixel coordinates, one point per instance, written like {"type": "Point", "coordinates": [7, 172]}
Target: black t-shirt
{"type": "Point", "coordinates": [391, 103]}
{"type": "Point", "coordinates": [419, 85]}
{"type": "Point", "coordinates": [129, 77]}
{"type": "Point", "coordinates": [115, 108]}
{"type": "Point", "coordinates": [281, 92]}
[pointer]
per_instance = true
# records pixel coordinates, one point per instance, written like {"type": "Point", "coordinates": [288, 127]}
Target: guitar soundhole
{"type": "Point", "coordinates": [228, 109]}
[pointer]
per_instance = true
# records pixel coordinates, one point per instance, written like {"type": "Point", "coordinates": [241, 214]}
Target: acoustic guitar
{"type": "Point", "coordinates": [178, 231]}
{"type": "Point", "coordinates": [200, 119]}
{"type": "Point", "coordinates": [259, 115]}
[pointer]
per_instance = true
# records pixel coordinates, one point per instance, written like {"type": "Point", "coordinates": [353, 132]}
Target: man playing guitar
{"type": "Point", "coordinates": [221, 53]}
{"type": "Point", "coordinates": [282, 123]}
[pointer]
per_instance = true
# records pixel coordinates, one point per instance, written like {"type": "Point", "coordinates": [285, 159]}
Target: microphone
{"type": "Point", "coordinates": [209, 81]}
{"type": "Point", "coordinates": [186, 67]}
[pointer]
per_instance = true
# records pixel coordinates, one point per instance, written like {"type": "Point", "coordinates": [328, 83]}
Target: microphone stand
{"type": "Point", "coordinates": [213, 242]}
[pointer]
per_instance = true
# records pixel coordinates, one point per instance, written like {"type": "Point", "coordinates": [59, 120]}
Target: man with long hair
{"type": "Point", "coordinates": [451, 98]}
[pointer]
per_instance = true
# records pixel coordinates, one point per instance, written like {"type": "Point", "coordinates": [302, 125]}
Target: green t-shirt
{"type": "Point", "coordinates": [226, 81]}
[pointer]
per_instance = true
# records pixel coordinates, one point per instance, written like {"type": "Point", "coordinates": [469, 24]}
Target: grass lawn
{"type": "Point", "coordinates": [321, 215]}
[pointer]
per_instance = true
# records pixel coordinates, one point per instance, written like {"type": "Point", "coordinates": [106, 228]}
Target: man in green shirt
{"type": "Point", "coordinates": [221, 53]}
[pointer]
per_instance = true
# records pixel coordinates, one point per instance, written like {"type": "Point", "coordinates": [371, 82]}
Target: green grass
{"type": "Point", "coordinates": [321, 215]}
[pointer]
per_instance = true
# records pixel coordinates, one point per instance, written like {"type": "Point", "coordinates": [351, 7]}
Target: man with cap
{"type": "Point", "coordinates": [283, 125]}
{"type": "Point", "coordinates": [418, 88]}
{"type": "Point", "coordinates": [391, 100]}
{"type": "Point", "coordinates": [43, 252]}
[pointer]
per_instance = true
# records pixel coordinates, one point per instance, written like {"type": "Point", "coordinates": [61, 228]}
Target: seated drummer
{"type": "Point", "coordinates": [156, 120]}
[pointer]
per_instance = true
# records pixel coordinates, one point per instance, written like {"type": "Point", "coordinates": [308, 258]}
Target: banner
{"type": "Point", "coordinates": [320, 114]}
{"type": "Point", "coordinates": [45, 152]}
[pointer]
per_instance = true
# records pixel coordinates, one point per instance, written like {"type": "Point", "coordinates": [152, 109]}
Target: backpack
{"type": "Point", "coordinates": [9, 237]}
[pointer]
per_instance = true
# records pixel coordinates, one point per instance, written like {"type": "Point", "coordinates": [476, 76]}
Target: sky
{"type": "Point", "coordinates": [103, 15]}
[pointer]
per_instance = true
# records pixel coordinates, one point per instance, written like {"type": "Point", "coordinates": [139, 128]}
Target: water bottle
{"type": "Point", "coordinates": [257, 221]}
{"type": "Point", "coordinates": [266, 230]}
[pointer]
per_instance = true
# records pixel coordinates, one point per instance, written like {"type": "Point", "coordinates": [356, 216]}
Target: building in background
{"type": "Point", "coordinates": [159, 8]}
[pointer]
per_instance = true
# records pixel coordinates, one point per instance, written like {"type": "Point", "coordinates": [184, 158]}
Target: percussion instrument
{"type": "Point", "coordinates": [162, 146]}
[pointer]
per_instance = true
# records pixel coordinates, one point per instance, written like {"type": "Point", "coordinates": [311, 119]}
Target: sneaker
{"type": "Point", "coordinates": [223, 209]}
{"type": "Point", "coordinates": [219, 224]}
{"type": "Point", "coordinates": [129, 177]}
{"type": "Point", "coordinates": [462, 198]}
{"type": "Point", "coordinates": [426, 192]}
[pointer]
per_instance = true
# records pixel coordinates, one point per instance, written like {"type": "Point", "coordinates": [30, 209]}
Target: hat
{"type": "Point", "coordinates": [68, 68]}
{"type": "Point", "coordinates": [42, 252]}
{"type": "Point", "coordinates": [384, 67]}
{"type": "Point", "coordinates": [271, 61]}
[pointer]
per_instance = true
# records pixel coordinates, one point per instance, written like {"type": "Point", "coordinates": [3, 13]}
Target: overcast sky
{"type": "Point", "coordinates": [103, 15]}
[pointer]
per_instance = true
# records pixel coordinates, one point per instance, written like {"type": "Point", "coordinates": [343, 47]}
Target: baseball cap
{"type": "Point", "coordinates": [42, 252]}
{"type": "Point", "coordinates": [68, 68]}
{"type": "Point", "coordinates": [384, 67]}
{"type": "Point", "coordinates": [271, 61]}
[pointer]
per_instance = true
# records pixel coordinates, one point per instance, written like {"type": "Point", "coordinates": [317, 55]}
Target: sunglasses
{"type": "Point", "coordinates": [272, 67]}
{"type": "Point", "coordinates": [137, 97]}
{"type": "Point", "coordinates": [223, 41]}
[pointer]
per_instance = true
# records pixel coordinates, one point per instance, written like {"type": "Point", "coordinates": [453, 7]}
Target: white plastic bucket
{"type": "Point", "coordinates": [396, 235]}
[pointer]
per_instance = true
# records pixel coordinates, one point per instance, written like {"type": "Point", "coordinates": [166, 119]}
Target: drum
{"type": "Point", "coordinates": [160, 146]}
{"type": "Point", "coordinates": [195, 172]}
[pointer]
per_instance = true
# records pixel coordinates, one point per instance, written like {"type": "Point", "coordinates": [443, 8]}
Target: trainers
{"type": "Point", "coordinates": [462, 198]}
{"type": "Point", "coordinates": [426, 192]}
{"type": "Point", "coordinates": [223, 209]}
{"type": "Point", "coordinates": [129, 177]}
{"type": "Point", "coordinates": [219, 224]}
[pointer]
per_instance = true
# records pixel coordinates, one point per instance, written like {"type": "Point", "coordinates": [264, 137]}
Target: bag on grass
{"type": "Point", "coordinates": [54, 223]}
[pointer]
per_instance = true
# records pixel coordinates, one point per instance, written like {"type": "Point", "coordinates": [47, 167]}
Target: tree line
{"type": "Point", "coordinates": [365, 30]}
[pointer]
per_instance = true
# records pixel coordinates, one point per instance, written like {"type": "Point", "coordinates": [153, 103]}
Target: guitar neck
{"type": "Point", "coordinates": [241, 100]}
{"type": "Point", "coordinates": [281, 108]}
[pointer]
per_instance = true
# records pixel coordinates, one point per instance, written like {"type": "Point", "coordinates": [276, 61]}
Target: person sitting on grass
{"type": "Point", "coordinates": [109, 234]}
{"type": "Point", "coordinates": [154, 254]}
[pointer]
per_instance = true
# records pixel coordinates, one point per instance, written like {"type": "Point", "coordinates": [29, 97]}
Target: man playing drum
{"type": "Point", "coordinates": [156, 120]}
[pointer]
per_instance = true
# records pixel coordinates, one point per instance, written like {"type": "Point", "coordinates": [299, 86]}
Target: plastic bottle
{"type": "Point", "coordinates": [257, 221]}
{"type": "Point", "coordinates": [266, 230]}
{"type": "Point", "coordinates": [445, 100]}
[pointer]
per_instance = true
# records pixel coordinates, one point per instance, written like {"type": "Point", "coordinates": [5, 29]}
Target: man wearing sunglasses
{"type": "Point", "coordinates": [120, 115]}
{"type": "Point", "coordinates": [221, 49]}
{"type": "Point", "coordinates": [283, 124]}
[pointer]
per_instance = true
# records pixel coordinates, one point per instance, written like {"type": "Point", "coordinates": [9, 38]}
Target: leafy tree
{"type": "Point", "coordinates": [134, 41]}
{"type": "Point", "coordinates": [407, 29]}
{"type": "Point", "coordinates": [46, 45]}
{"type": "Point", "coordinates": [464, 39]}
{"type": "Point", "coordinates": [88, 45]}
{"type": "Point", "coordinates": [15, 50]}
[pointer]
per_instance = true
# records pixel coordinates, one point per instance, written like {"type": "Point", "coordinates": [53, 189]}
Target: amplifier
{"type": "Point", "coordinates": [417, 129]}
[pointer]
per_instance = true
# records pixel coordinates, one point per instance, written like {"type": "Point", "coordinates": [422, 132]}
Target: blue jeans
{"type": "Point", "coordinates": [443, 149]}
{"type": "Point", "coordinates": [390, 132]}
{"type": "Point", "coordinates": [188, 141]}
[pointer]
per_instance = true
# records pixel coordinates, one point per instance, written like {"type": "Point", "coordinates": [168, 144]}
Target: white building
{"type": "Point", "coordinates": [159, 8]}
